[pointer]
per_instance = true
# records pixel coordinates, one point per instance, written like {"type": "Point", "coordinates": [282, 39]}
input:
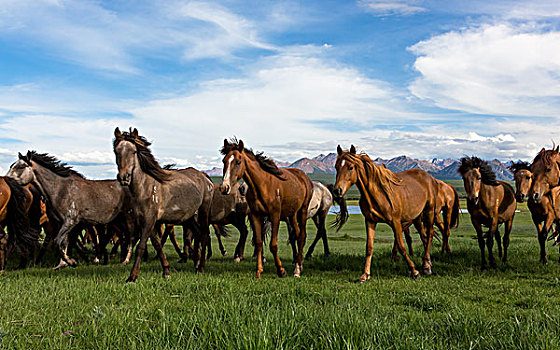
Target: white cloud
{"type": "Point", "coordinates": [493, 69]}
{"type": "Point", "coordinates": [392, 7]}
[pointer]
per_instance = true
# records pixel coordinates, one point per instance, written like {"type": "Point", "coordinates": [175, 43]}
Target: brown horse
{"type": "Point", "coordinates": [490, 203]}
{"type": "Point", "coordinates": [544, 213]}
{"type": "Point", "coordinates": [396, 199]}
{"type": "Point", "coordinates": [546, 173]}
{"type": "Point", "coordinates": [273, 193]}
{"type": "Point", "coordinates": [447, 204]}
{"type": "Point", "coordinates": [15, 205]}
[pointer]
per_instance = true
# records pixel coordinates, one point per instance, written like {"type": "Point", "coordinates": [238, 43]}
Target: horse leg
{"type": "Point", "coordinates": [370, 231]}
{"type": "Point", "coordinates": [218, 233]}
{"type": "Point", "coordinates": [480, 236]}
{"type": "Point", "coordinates": [49, 233]}
{"type": "Point", "coordinates": [290, 223]}
{"type": "Point", "coordinates": [257, 222]}
{"type": "Point", "coordinates": [317, 238]}
{"type": "Point", "coordinates": [3, 249]}
{"type": "Point", "coordinates": [490, 241]}
{"type": "Point", "coordinates": [170, 233]}
{"type": "Point", "coordinates": [243, 232]}
{"type": "Point", "coordinates": [507, 231]}
{"type": "Point", "coordinates": [62, 242]}
{"type": "Point", "coordinates": [443, 227]}
{"type": "Point", "coordinates": [204, 237]}
{"type": "Point", "coordinates": [428, 221]}
{"type": "Point", "coordinates": [209, 245]}
{"type": "Point", "coordinates": [275, 221]}
{"type": "Point", "coordinates": [323, 228]}
{"type": "Point", "coordinates": [188, 249]}
{"type": "Point", "coordinates": [147, 232]}
{"type": "Point", "coordinates": [395, 251]}
{"type": "Point", "coordinates": [498, 241]}
{"type": "Point", "coordinates": [300, 224]}
{"type": "Point", "coordinates": [397, 230]}
{"type": "Point", "coordinates": [161, 255]}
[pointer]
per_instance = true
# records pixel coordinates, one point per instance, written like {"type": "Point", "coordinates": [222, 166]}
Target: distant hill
{"type": "Point", "coordinates": [444, 169]}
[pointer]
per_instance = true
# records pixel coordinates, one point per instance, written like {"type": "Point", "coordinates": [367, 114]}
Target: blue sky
{"type": "Point", "coordinates": [292, 78]}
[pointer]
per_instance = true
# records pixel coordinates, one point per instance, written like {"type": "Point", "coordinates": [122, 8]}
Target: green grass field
{"type": "Point", "coordinates": [515, 306]}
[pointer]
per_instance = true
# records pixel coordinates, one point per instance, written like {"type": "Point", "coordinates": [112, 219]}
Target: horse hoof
{"type": "Point", "coordinates": [493, 265]}
{"type": "Point", "coordinates": [131, 279]}
{"type": "Point", "coordinates": [166, 276]}
{"type": "Point", "coordinates": [238, 259]}
{"type": "Point", "coordinates": [258, 275]}
{"type": "Point", "coordinates": [308, 257]}
{"type": "Point", "coordinates": [395, 258]}
{"type": "Point", "coordinates": [415, 276]}
{"type": "Point", "coordinates": [281, 272]}
{"type": "Point", "coordinates": [298, 270]}
{"type": "Point", "coordinates": [427, 271]}
{"type": "Point", "coordinates": [96, 260]}
{"type": "Point", "coordinates": [224, 253]}
{"type": "Point", "coordinates": [363, 278]}
{"type": "Point", "coordinates": [61, 265]}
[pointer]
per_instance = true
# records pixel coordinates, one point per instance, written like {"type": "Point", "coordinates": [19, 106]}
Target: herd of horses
{"type": "Point", "coordinates": [146, 201]}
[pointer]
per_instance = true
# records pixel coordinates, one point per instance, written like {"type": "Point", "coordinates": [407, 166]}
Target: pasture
{"type": "Point", "coordinates": [515, 306]}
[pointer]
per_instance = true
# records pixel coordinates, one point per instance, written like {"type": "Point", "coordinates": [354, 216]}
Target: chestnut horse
{"type": "Point", "coordinates": [546, 173]}
{"type": "Point", "coordinates": [447, 204]}
{"type": "Point", "coordinates": [395, 199]}
{"type": "Point", "coordinates": [273, 193]}
{"type": "Point", "coordinates": [490, 203]}
{"type": "Point", "coordinates": [155, 195]}
{"type": "Point", "coordinates": [546, 212]}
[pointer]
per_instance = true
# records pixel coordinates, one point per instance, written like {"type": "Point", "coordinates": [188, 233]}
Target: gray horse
{"type": "Point", "coordinates": [73, 200]}
{"type": "Point", "coordinates": [156, 195]}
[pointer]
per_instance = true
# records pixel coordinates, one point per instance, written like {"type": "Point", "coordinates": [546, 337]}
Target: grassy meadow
{"type": "Point", "coordinates": [515, 306]}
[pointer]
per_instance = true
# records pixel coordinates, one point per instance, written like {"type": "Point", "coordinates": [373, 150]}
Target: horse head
{"type": "Point", "coordinates": [346, 173]}
{"type": "Point", "coordinates": [546, 173]}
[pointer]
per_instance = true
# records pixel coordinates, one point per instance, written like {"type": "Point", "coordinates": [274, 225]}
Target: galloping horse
{"type": "Point", "coordinates": [490, 203]}
{"type": "Point", "coordinates": [544, 213]}
{"type": "Point", "coordinates": [396, 199]}
{"type": "Point", "coordinates": [73, 200]}
{"type": "Point", "coordinates": [15, 203]}
{"type": "Point", "coordinates": [273, 193]}
{"type": "Point", "coordinates": [156, 196]}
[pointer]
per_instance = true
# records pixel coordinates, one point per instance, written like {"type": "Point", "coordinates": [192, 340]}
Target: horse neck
{"type": "Point", "coordinates": [50, 183]}
{"type": "Point", "coordinates": [254, 176]}
{"type": "Point", "coordinates": [374, 197]}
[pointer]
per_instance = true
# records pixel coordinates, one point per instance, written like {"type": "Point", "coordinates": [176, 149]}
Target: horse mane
{"type": "Point", "coordinates": [379, 174]}
{"type": "Point", "coordinates": [266, 164]}
{"type": "Point", "coordinates": [145, 157]}
{"type": "Point", "coordinates": [486, 172]}
{"type": "Point", "coordinates": [53, 164]}
{"type": "Point", "coordinates": [545, 155]}
{"type": "Point", "coordinates": [171, 166]}
{"type": "Point", "coordinates": [515, 167]}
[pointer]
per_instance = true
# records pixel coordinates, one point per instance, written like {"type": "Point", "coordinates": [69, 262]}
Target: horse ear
{"type": "Point", "coordinates": [134, 133]}
{"type": "Point", "coordinates": [339, 150]}
{"type": "Point", "coordinates": [557, 148]}
{"type": "Point", "coordinates": [20, 156]}
{"type": "Point", "coordinates": [241, 145]}
{"type": "Point", "coordinates": [28, 156]}
{"type": "Point", "coordinates": [226, 143]}
{"type": "Point", "coordinates": [352, 149]}
{"type": "Point", "coordinates": [118, 133]}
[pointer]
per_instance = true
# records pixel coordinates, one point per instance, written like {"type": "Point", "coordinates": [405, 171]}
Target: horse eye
{"type": "Point", "coordinates": [238, 162]}
{"type": "Point", "coordinates": [350, 167]}
{"type": "Point", "coordinates": [528, 178]}
{"type": "Point", "coordinates": [548, 170]}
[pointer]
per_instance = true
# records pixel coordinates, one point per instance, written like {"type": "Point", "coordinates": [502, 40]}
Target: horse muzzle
{"type": "Point", "coordinates": [521, 197]}
{"type": "Point", "coordinates": [124, 179]}
{"type": "Point", "coordinates": [473, 200]}
{"type": "Point", "coordinates": [536, 197]}
{"type": "Point", "coordinates": [338, 192]}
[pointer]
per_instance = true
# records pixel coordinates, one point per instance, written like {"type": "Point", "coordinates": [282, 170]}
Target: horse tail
{"type": "Point", "coordinates": [342, 215]}
{"type": "Point", "coordinates": [455, 211]}
{"type": "Point", "coordinates": [20, 233]}
{"type": "Point", "coordinates": [222, 230]}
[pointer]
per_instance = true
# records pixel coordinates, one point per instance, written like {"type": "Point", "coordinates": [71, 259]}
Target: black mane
{"type": "Point", "coordinates": [265, 163]}
{"type": "Point", "coordinates": [515, 167]}
{"type": "Point", "coordinates": [145, 157]}
{"type": "Point", "coordinates": [486, 172]}
{"type": "Point", "coordinates": [53, 164]}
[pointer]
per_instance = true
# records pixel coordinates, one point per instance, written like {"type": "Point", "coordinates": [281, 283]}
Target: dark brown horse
{"type": "Point", "coordinates": [273, 193]}
{"type": "Point", "coordinates": [396, 199]}
{"type": "Point", "coordinates": [545, 212]}
{"type": "Point", "coordinates": [15, 205]}
{"type": "Point", "coordinates": [155, 195]}
{"type": "Point", "coordinates": [489, 202]}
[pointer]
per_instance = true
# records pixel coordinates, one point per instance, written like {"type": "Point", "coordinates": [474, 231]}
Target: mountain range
{"type": "Point", "coordinates": [444, 169]}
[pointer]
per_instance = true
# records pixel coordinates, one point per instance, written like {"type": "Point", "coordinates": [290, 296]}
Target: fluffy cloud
{"type": "Point", "coordinates": [491, 69]}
